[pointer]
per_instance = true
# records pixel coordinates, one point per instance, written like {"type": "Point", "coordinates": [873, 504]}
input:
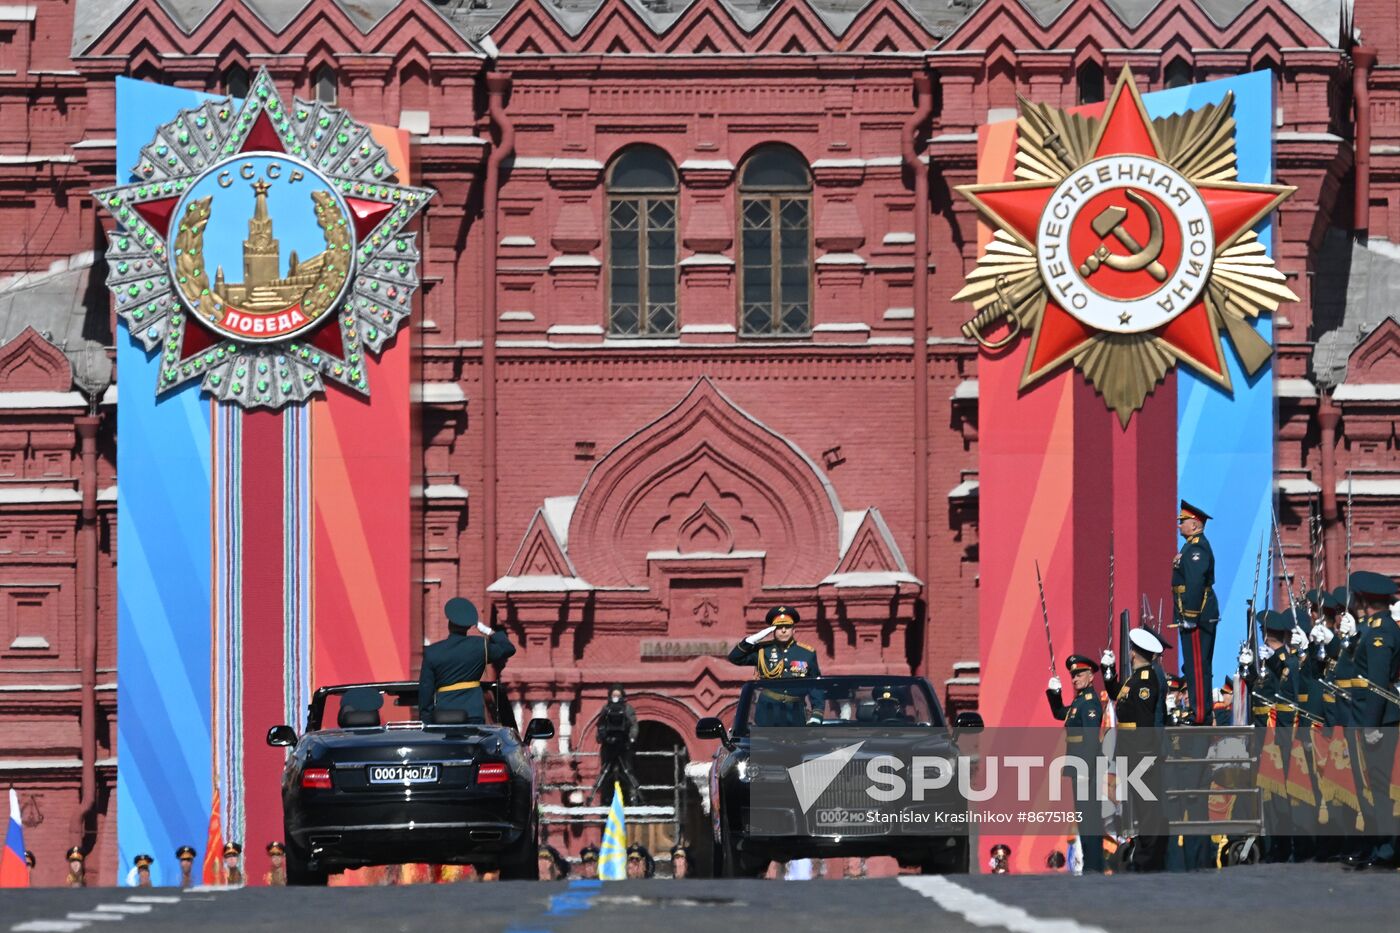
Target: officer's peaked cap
{"type": "Point", "coordinates": [1190, 511]}
{"type": "Point", "coordinates": [786, 614]}
{"type": "Point", "coordinates": [1144, 640]}
{"type": "Point", "coordinates": [1276, 622]}
{"type": "Point", "coordinates": [1371, 583]}
{"type": "Point", "coordinates": [1078, 662]}
{"type": "Point", "coordinates": [461, 612]}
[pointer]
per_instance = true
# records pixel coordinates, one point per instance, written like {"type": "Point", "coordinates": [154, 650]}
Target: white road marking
{"type": "Point", "coordinates": [153, 899]}
{"type": "Point", "coordinates": [48, 926]}
{"type": "Point", "coordinates": [983, 911]}
{"type": "Point", "coordinates": [93, 915]}
{"type": "Point", "coordinates": [124, 908]}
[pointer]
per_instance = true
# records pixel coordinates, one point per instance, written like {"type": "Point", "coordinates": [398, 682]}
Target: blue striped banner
{"type": "Point", "coordinates": [163, 577]}
{"type": "Point", "coordinates": [1225, 442]}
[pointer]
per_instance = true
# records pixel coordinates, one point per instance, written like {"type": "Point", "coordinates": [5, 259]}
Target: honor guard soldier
{"type": "Point", "coordinates": [185, 856]}
{"type": "Point", "coordinates": [77, 870]}
{"type": "Point", "coordinates": [141, 868]}
{"type": "Point", "coordinates": [277, 859]}
{"type": "Point", "coordinates": [1196, 611]}
{"type": "Point", "coordinates": [1082, 719]}
{"type": "Point", "coordinates": [1141, 707]}
{"type": "Point", "coordinates": [781, 658]}
{"type": "Point", "coordinates": [588, 861]}
{"type": "Point", "coordinates": [233, 863]}
{"type": "Point", "coordinates": [1373, 694]}
{"type": "Point", "coordinates": [453, 668]}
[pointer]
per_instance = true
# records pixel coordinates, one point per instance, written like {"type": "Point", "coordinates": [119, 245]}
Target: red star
{"type": "Point", "coordinates": [1016, 207]}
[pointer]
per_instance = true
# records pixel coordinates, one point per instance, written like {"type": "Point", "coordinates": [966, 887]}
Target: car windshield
{"type": "Point", "coordinates": [839, 701]}
{"type": "Point", "coordinates": [377, 705]}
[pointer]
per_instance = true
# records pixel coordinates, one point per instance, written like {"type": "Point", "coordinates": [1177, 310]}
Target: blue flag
{"type": "Point", "coordinates": [612, 858]}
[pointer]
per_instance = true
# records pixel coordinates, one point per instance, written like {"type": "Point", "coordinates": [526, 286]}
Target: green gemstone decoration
{"type": "Point", "coordinates": [262, 385]}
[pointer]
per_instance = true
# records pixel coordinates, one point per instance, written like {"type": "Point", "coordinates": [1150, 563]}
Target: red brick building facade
{"type": "Point", "coordinates": [686, 347]}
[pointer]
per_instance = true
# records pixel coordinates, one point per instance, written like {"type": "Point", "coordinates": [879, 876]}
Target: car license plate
{"type": "Point", "coordinates": [403, 774]}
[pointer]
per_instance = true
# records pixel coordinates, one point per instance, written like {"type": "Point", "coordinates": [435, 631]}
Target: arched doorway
{"type": "Point", "coordinates": [661, 756]}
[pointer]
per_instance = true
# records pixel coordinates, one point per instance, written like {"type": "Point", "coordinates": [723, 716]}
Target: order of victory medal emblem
{"type": "Point", "coordinates": [263, 249]}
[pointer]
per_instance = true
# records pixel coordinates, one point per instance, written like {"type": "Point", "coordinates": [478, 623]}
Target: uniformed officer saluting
{"type": "Point", "coordinates": [781, 658]}
{"type": "Point", "coordinates": [453, 667]}
{"type": "Point", "coordinates": [1082, 719]}
{"type": "Point", "coordinates": [1197, 612]}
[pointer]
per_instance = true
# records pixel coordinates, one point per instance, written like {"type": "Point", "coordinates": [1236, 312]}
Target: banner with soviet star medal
{"type": "Point", "coordinates": [1125, 246]}
{"type": "Point", "coordinates": [263, 249]}
{"type": "Point", "coordinates": [264, 550]}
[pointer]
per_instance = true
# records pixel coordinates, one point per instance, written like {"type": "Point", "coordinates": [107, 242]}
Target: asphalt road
{"type": "Point", "coordinates": [1263, 897]}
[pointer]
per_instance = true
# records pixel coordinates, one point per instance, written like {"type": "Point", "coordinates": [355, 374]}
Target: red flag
{"type": "Point", "coordinates": [214, 844]}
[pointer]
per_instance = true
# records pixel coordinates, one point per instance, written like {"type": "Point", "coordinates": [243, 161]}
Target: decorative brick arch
{"type": "Point", "coordinates": [1376, 358]}
{"type": "Point", "coordinates": [29, 363]}
{"type": "Point", "coordinates": [705, 477]}
{"type": "Point", "coordinates": [649, 706]}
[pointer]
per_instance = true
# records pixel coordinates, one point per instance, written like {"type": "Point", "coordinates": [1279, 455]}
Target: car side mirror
{"type": "Point", "coordinates": [712, 727]}
{"type": "Point", "coordinates": [281, 737]}
{"type": "Point", "coordinates": [539, 728]}
{"type": "Point", "coordinates": [967, 721]}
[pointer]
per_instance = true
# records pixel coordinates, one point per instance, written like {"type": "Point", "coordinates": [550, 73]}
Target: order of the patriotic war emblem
{"type": "Point", "coordinates": [1124, 246]}
{"type": "Point", "coordinates": [263, 249]}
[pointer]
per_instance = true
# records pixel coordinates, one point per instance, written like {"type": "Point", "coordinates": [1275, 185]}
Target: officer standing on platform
{"type": "Point", "coordinates": [1141, 709]}
{"type": "Point", "coordinates": [781, 658]}
{"type": "Point", "coordinates": [185, 856]}
{"type": "Point", "coordinates": [453, 668]}
{"type": "Point", "coordinates": [1377, 666]}
{"type": "Point", "coordinates": [1196, 611]}
{"type": "Point", "coordinates": [1082, 719]}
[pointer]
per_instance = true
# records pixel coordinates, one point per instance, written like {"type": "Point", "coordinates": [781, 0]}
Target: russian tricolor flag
{"type": "Point", "coordinates": [14, 872]}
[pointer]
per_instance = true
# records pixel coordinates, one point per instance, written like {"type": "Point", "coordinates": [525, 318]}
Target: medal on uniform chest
{"type": "Point", "coordinates": [1125, 247]}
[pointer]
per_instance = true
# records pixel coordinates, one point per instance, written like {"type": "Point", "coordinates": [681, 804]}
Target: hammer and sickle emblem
{"type": "Point", "coordinates": [1110, 221]}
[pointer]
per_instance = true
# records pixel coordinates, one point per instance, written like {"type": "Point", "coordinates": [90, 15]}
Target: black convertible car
{"type": "Point", "coordinates": [751, 830]}
{"type": "Point", "coordinates": [367, 783]}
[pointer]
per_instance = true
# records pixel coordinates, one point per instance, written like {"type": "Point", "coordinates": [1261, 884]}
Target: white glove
{"type": "Point", "coordinates": [1372, 736]}
{"type": "Point", "coordinates": [757, 637]}
{"type": "Point", "coordinates": [1321, 634]}
{"type": "Point", "coordinates": [1347, 627]}
{"type": "Point", "coordinates": [1299, 638]}
{"type": "Point", "coordinates": [1107, 660]}
{"type": "Point", "coordinates": [1265, 652]}
{"type": "Point", "coordinates": [1171, 702]}
{"type": "Point", "coordinates": [1054, 684]}
{"type": "Point", "coordinates": [1246, 657]}
{"type": "Point", "coordinates": [484, 629]}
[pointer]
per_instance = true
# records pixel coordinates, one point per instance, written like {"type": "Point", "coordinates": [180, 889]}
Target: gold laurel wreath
{"type": "Point", "coordinates": [318, 297]}
{"type": "Point", "coordinates": [1125, 368]}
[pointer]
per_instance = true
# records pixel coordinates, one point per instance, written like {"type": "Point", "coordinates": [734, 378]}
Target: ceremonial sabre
{"type": "Point", "coordinates": [1045, 615]}
{"type": "Point", "coordinates": [1347, 607]}
{"type": "Point", "coordinates": [1283, 566]}
{"type": "Point", "coordinates": [1109, 646]}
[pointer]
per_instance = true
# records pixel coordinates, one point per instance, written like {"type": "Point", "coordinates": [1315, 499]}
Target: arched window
{"type": "Point", "coordinates": [1179, 73]}
{"type": "Point", "coordinates": [324, 84]}
{"type": "Point", "coordinates": [1089, 81]}
{"type": "Point", "coordinates": [236, 81]}
{"type": "Point", "coordinates": [642, 244]}
{"type": "Point", "coordinates": [775, 268]}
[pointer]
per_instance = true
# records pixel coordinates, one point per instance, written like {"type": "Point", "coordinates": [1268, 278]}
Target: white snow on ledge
{"type": "Point", "coordinates": [538, 584]}
{"type": "Point", "coordinates": [876, 578]}
{"type": "Point", "coordinates": [1377, 392]}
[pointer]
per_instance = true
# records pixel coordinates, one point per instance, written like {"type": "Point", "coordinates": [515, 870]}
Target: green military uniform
{"type": "Point", "coordinates": [1377, 662]}
{"type": "Point", "coordinates": [1083, 718]}
{"type": "Point", "coordinates": [452, 668]}
{"type": "Point", "coordinates": [775, 661]}
{"type": "Point", "coordinates": [1197, 613]}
